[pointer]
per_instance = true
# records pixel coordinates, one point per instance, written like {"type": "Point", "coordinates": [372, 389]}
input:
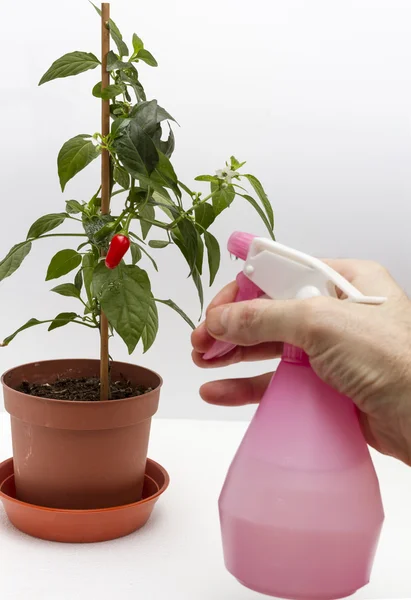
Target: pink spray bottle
{"type": "Point", "coordinates": [300, 509]}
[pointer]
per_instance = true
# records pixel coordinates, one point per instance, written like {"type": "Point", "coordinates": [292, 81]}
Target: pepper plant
{"type": "Point", "coordinates": [108, 278]}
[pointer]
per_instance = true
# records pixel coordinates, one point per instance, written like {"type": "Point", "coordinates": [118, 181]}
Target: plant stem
{"type": "Point", "coordinates": [49, 235]}
{"type": "Point", "coordinates": [105, 191]}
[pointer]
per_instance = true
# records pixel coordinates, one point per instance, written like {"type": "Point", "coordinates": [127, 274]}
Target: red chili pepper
{"type": "Point", "coordinates": [118, 247]}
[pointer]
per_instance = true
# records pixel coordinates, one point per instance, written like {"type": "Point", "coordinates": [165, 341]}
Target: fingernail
{"type": "Point", "coordinates": [217, 320]}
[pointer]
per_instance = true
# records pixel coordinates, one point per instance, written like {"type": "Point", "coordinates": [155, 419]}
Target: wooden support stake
{"type": "Point", "coordinates": [105, 191]}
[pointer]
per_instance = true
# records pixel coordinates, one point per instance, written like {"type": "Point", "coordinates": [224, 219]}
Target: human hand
{"type": "Point", "coordinates": [362, 351]}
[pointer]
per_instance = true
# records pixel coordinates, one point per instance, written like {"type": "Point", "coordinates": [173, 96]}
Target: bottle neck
{"type": "Point", "coordinates": [292, 354]}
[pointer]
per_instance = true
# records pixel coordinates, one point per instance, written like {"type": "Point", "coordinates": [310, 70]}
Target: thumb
{"type": "Point", "coordinates": [253, 322]}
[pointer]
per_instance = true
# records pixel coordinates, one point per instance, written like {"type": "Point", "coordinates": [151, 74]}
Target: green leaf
{"type": "Point", "coordinates": [145, 114]}
{"type": "Point", "coordinates": [165, 146]}
{"type": "Point", "coordinates": [121, 176]}
{"type": "Point", "coordinates": [67, 289]}
{"type": "Point", "coordinates": [199, 285]}
{"type": "Point", "coordinates": [158, 243]}
{"type": "Point", "coordinates": [62, 319]}
{"type": "Point", "coordinates": [88, 265]}
{"type": "Point", "coordinates": [260, 212]}
{"type": "Point", "coordinates": [146, 212]}
{"type": "Point", "coordinates": [150, 330]}
{"type": "Point", "coordinates": [235, 164]}
{"type": "Point", "coordinates": [210, 178]}
{"type": "Point", "coordinates": [222, 198]}
{"type": "Point", "coordinates": [200, 255]}
{"type": "Point", "coordinates": [125, 297]}
{"type": "Point", "coordinates": [135, 84]}
{"type": "Point", "coordinates": [147, 57]}
{"type": "Point", "coordinates": [73, 207]}
{"type": "Point", "coordinates": [166, 173]}
{"type": "Point", "coordinates": [13, 259]}
{"type": "Point", "coordinates": [153, 262]}
{"type": "Point", "coordinates": [136, 150]}
{"type": "Point", "coordinates": [74, 156]}
{"type": "Point", "coordinates": [187, 240]}
{"type": "Point", "coordinates": [110, 91]}
{"type": "Point", "coordinates": [117, 38]}
{"type": "Point", "coordinates": [259, 190]}
{"type": "Point", "coordinates": [138, 43]}
{"type": "Point", "coordinates": [135, 253]}
{"type": "Point", "coordinates": [178, 310]}
{"type": "Point", "coordinates": [30, 323]}
{"type": "Point", "coordinates": [62, 263]}
{"type": "Point", "coordinates": [78, 280]}
{"type": "Point", "coordinates": [45, 224]}
{"type": "Point", "coordinates": [93, 227]}
{"type": "Point", "coordinates": [166, 205]}
{"type": "Point", "coordinates": [213, 251]}
{"type": "Point", "coordinates": [72, 63]}
{"type": "Point", "coordinates": [115, 64]}
{"type": "Point", "coordinates": [204, 214]}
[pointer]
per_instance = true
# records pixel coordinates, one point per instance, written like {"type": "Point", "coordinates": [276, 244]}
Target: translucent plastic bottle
{"type": "Point", "coordinates": [300, 510]}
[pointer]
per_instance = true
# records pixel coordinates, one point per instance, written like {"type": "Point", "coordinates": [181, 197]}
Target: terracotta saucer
{"type": "Point", "coordinates": [77, 526]}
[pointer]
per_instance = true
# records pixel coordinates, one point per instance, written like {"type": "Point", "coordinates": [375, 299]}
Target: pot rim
{"type": "Point", "coordinates": [78, 402]}
{"type": "Point", "coordinates": [160, 491]}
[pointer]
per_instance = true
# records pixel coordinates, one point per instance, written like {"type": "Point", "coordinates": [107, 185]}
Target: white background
{"type": "Point", "coordinates": [315, 95]}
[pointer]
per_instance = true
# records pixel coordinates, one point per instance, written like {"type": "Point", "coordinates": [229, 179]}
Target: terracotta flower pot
{"type": "Point", "coordinates": [79, 455]}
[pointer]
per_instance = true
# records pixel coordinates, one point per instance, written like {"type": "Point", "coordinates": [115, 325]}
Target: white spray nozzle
{"type": "Point", "coordinates": [283, 273]}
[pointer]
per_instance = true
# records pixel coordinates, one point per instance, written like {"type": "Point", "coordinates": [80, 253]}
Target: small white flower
{"type": "Point", "coordinates": [226, 174]}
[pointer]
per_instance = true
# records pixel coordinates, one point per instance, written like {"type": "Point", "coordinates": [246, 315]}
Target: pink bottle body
{"type": "Point", "coordinates": [300, 510]}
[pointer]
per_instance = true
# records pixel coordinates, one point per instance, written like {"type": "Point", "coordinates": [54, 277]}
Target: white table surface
{"type": "Point", "coordinates": [178, 556]}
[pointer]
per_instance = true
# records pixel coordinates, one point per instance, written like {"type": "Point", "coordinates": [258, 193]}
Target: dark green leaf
{"type": "Point", "coordinates": [259, 190]}
{"type": "Point", "coordinates": [135, 84]}
{"type": "Point", "coordinates": [62, 319]}
{"type": "Point", "coordinates": [74, 156]}
{"type": "Point", "coordinates": [13, 259]}
{"type": "Point", "coordinates": [165, 146]}
{"type": "Point", "coordinates": [163, 115]}
{"type": "Point", "coordinates": [200, 255]}
{"type": "Point", "coordinates": [213, 251]}
{"type": "Point", "coordinates": [138, 43]}
{"type": "Point", "coordinates": [187, 240]}
{"type": "Point", "coordinates": [158, 243]}
{"type": "Point", "coordinates": [67, 289]}
{"type": "Point", "coordinates": [146, 212]}
{"type": "Point", "coordinates": [178, 310]}
{"type": "Point", "coordinates": [114, 63]}
{"type": "Point", "coordinates": [260, 212]}
{"type": "Point", "coordinates": [125, 297]}
{"type": "Point", "coordinates": [121, 176]}
{"type": "Point", "coordinates": [166, 172]}
{"type": "Point", "coordinates": [145, 114]}
{"type": "Point", "coordinates": [204, 214]}
{"type": "Point", "coordinates": [210, 178]}
{"type": "Point", "coordinates": [73, 207]}
{"type": "Point", "coordinates": [78, 280]}
{"type": "Point", "coordinates": [135, 253]}
{"type": "Point", "coordinates": [117, 38]}
{"type": "Point", "coordinates": [62, 263]}
{"type": "Point", "coordinates": [94, 226]}
{"type": "Point", "coordinates": [110, 91]}
{"type": "Point", "coordinates": [45, 224]}
{"type": "Point", "coordinates": [72, 63]}
{"type": "Point", "coordinates": [198, 283]}
{"type": "Point", "coordinates": [150, 330]}
{"type": "Point", "coordinates": [136, 150]}
{"type": "Point", "coordinates": [30, 323]}
{"type": "Point", "coordinates": [147, 57]}
{"type": "Point", "coordinates": [88, 265]}
{"type": "Point", "coordinates": [166, 205]}
{"type": "Point", "coordinates": [222, 198]}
